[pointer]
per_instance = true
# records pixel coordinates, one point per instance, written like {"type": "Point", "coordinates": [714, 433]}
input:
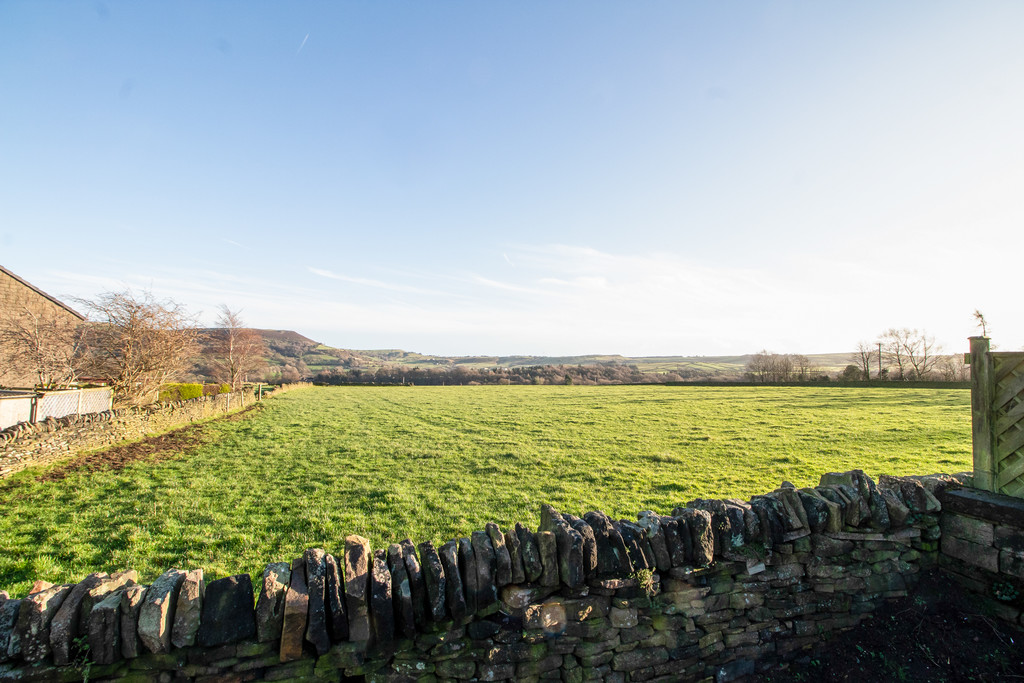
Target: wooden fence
{"type": "Point", "coordinates": [997, 417]}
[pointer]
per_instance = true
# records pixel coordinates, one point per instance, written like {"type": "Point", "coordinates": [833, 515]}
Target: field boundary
{"type": "Point", "coordinates": [27, 445]}
{"type": "Point", "coordinates": [719, 589]}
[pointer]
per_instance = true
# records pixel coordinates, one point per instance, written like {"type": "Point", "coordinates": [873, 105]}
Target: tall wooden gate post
{"type": "Point", "coordinates": [982, 388]}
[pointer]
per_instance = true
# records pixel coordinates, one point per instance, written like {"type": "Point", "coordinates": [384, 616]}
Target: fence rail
{"type": "Point", "coordinates": [997, 417]}
{"type": "Point", "coordinates": [31, 406]}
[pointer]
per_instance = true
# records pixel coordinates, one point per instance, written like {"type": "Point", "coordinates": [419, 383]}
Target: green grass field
{"type": "Point", "coordinates": [435, 462]}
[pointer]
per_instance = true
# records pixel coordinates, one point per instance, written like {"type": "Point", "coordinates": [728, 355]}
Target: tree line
{"type": "Point", "coordinates": [534, 374]}
{"type": "Point", "coordinates": [905, 354]}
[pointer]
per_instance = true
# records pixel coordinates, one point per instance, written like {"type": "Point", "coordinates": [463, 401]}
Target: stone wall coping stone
{"type": "Point", "coordinates": [986, 505]}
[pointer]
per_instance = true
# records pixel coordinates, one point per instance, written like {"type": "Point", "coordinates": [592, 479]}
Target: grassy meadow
{"type": "Point", "coordinates": [435, 462]}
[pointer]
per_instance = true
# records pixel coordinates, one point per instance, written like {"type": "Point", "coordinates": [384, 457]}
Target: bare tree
{"type": "Point", "coordinates": [979, 319]}
{"type": "Point", "coordinates": [953, 368]}
{"type": "Point", "coordinates": [913, 352]}
{"type": "Point", "coordinates": [43, 345]}
{"type": "Point", "coordinates": [240, 350]}
{"type": "Point", "coordinates": [770, 367]}
{"type": "Point", "coordinates": [863, 358]}
{"type": "Point", "coordinates": [138, 343]}
{"type": "Point", "coordinates": [923, 355]}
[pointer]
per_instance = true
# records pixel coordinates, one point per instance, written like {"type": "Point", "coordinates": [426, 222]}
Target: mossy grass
{"type": "Point", "coordinates": [435, 462]}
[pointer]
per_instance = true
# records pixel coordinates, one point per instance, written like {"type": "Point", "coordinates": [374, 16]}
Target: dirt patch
{"type": "Point", "coordinates": [150, 449]}
{"type": "Point", "coordinates": [940, 632]}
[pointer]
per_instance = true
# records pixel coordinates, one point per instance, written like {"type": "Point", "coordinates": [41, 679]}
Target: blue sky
{"type": "Point", "coordinates": [642, 178]}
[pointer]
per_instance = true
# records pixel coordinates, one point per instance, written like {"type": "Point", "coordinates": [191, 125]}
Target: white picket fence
{"type": "Point", "coordinates": [32, 406]}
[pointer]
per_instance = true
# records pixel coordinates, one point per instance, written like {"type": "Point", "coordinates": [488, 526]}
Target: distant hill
{"type": "Point", "coordinates": [295, 354]}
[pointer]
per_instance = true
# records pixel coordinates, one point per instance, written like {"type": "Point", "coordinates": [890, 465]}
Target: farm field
{"type": "Point", "coordinates": [436, 462]}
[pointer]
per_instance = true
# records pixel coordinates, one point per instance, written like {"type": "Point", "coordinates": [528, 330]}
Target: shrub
{"type": "Point", "coordinates": [188, 390]}
{"type": "Point", "coordinates": [168, 393]}
{"type": "Point", "coordinates": [179, 392]}
{"type": "Point", "coordinates": [225, 388]}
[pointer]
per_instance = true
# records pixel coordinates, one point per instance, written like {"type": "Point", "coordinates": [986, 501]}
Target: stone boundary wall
{"type": "Point", "coordinates": [26, 444]}
{"type": "Point", "coordinates": [983, 548]}
{"type": "Point", "coordinates": [717, 588]}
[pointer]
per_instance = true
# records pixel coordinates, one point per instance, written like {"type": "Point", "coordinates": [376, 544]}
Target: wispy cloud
{"type": "Point", "coordinates": [303, 44]}
{"type": "Point", "coordinates": [369, 282]}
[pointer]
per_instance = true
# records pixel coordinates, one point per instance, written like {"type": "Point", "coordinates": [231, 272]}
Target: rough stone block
{"type": "Point", "coordinates": [296, 606]}
{"type": "Point", "coordinates": [986, 557]}
{"type": "Point", "coordinates": [405, 618]}
{"type": "Point", "coordinates": [357, 587]}
{"type": "Point", "coordinates": [549, 557]}
{"type": "Point", "coordinates": [435, 579]}
{"type": "Point", "coordinates": [156, 616]}
{"type": "Point", "coordinates": [334, 596]}
{"type": "Point", "coordinates": [1012, 562]}
{"type": "Point", "coordinates": [8, 629]}
{"type": "Point", "coordinates": [455, 597]}
{"type": "Point", "coordinates": [105, 629]}
{"type": "Point", "coordinates": [698, 522]}
{"type": "Point", "coordinates": [483, 553]}
{"type": "Point", "coordinates": [316, 588]}
{"type": "Point", "coordinates": [467, 570]}
{"type": "Point", "coordinates": [106, 586]}
{"type": "Point", "coordinates": [651, 525]}
{"type": "Point", "coordinates": [64, 627]}
{"type": "Point", "coordinates": [515, 553]}
{"type": "Point", "coordinates": [502, 558]}
{"type": "Point", "coordinates": [188, 609]}
{"type": "Point", "coordinates": [131, 605]}
{"type": "Point", "coordinates": [532, 563]}
{"type": "Point", "coordinates": [589, 544]}
{"type": "Point", "coordinates": [417, 583]}
{"type": "Point", "coordinates": [623, 618]}
{"type": "Point", "coordinates": [968, 528]}
{"type": "Point", "coordinates": [381, 605]}
{"type": "Point", "coordinates": [227, 615]}
{"type": "Point", "coordinates": [639, 658]}
{"type": "Point", "coordinates": [270, 603]}
{"type": "Point", "coordinates": [35, 614]}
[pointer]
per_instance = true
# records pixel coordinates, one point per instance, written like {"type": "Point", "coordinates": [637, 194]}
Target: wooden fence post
{"type": "Point", "coordinates": [982, 391]}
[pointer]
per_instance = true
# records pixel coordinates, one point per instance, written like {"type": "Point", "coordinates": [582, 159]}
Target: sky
{"type": "Point", "coordinates": [545, 178]}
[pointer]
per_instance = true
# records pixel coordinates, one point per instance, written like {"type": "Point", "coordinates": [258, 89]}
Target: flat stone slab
{"type": "Point", "coordinates": [994, 507]}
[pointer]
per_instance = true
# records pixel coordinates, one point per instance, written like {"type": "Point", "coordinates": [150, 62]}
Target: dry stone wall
{"type": "Point", "coordinates": [26, 444]}
{"type": "Point", "coordinates": [717, 588]}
